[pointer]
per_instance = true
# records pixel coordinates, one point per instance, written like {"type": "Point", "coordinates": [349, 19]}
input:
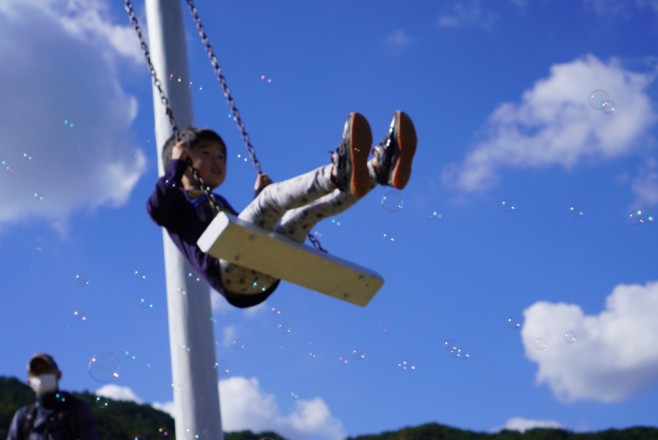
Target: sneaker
{"type": "Point", "coordinates": [396, 152]}
{"type": "Point", "coordinates": [351, 156]}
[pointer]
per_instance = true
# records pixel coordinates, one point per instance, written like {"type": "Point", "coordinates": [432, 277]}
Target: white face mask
{"type": "Point", "coordinates": [43, 384]}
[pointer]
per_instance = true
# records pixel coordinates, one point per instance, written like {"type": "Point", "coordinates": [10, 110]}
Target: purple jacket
{"type": "Point", "coordinates": [185, 215]}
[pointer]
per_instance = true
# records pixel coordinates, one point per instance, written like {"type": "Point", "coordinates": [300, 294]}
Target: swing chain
{"type": "Point", "coordinates": [227, 93]}
{"type": "Point", "coordinates": [213, 202]}
{"type": "Point", "coordinates": [205, 188]}
{"type": "Point", "coordinates": [156, 81]}
{"type": "Point", "coordinates": [222, 81]}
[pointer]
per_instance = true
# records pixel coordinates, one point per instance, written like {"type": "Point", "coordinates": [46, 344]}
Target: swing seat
{"type": "Point", "coordinates": [240, 242]}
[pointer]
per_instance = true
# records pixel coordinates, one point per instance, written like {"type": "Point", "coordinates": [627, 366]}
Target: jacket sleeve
{"type": "Point", "coordinates": [87, 429]}
{"type": "Point", "coordinates": [15, 426]}
{"type": "Point", "coordinates": [167, 197]}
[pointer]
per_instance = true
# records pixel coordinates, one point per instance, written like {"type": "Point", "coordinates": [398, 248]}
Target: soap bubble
{"type": "Point", "coordinates": [82, 280]}
{"type": "Point", "coordinates": [508, 205]}
{"type": "Point", "coordinates": [576, 211]}
{"type": "Point", "coordinates": [598, 99]}
{"type": "Point", "coordinates": [640, 217]}
{"type": "Point", "coordinates": [569, 337]}
{"type": "Point", "coordinates": [406, 365]}
{"type": "Point", "coordinates": [358, 354]}
{"type": "Point", "coordinates": [540, 343]}
{"type": "Point", "coordinates": [513, 322]}
{"type": "Point", "coordinates": [101, 402]}
{"type": "Point", "coordinates": [284, 329]}
{"type": "Point", "coordinates": [104, 367]}
{"type": "Point", "coordinates": [392, 202]}
{"type": "Point", "coordinates": [608, 107]}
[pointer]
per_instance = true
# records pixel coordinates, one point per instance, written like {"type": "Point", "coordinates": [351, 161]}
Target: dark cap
{"type": "Point", "coordinates": [41, 359]}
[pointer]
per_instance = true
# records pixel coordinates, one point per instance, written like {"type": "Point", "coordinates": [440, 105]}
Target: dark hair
{"type": "Point", "coordinates": [193, 136]}
{"type": "Point", "coordinates": [39, 360]}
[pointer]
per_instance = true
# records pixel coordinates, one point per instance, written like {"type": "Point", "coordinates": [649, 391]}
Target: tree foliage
{"type": "Point", "coordinates": [122, 420]}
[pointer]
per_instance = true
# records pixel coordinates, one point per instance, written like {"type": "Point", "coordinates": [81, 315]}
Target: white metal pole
{"type": "Point", "coordinates": [193, 363]}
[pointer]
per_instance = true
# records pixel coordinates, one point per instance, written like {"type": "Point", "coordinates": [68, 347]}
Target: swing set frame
{"type": "Point", "coordinates": [244, 244]}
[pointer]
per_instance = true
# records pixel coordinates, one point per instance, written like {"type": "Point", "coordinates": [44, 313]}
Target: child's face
{"type": "Point", "coordinates": [208, 157]}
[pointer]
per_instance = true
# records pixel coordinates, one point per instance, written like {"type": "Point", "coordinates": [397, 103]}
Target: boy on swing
{"type": "Point", "coordinates": [291, 207]}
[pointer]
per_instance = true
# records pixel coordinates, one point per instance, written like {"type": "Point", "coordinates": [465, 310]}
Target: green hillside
{"type": "Point", "coordinates": [121, 420]}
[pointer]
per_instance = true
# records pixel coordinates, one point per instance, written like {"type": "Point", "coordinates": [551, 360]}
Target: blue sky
{"type": "Point", "coordinates": [526, 237]}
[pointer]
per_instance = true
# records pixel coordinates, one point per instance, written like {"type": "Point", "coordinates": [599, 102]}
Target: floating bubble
{"type": "Point", "coordinates": [265, 79]}
{"type": "Point", "coordinates": [129, 355]}
{"type": "Point", "coordinates": [598, 98]}
{"type": "Point", "coordinates": [38, 196]}
{"type": "Point", "coordinates": [513, 322]}
{"type": "Point", "coordinates": [640, 217]}
{"type": "Point", "coordinates": [104, 367]}
{"type": "Point", "coordinates": [312, 355]}
{"type": "Point", "coordinates": [147, 304]}
{"type": "Point", "coordinates": [508, 205]}
{"type": "Point", "coordinates": [259, 285]}
{"type": "Point", "coordinates": [576, 212]}
{"type": "Point", "coordinates": [383, 329]}
{"type": "Point", "coordinates": [569, 337]}
{"type": "Point", "coordinates": [68, 123]}
{"type": "Point", "coordinates": [101, 402]}
{"type": "Point", "coordinates": [389, 238]}
{"type": "Point", "coordinates": [541, 344]}
{"type": "Point", "coordinates": [392, 202]}
{"type": "Point", "coordinates": [27, 156]}
{"type": "Point", "coordinates": [79, 316]}
{"type": "Point", "coordinates": [358, 354]}
{"type": "Point", "coordinates": [406, 365]}
{"type": "Point", "coordinates": [222, 367]}
{"type": "Point", "coordinates": [238, 344]}
{"type": "Point", "coordinates": [608, 107]}
{"type": "Point", "coordinates": [335, 222]}
{"type": "Point", "coordinates": [276, 311]}
{"type": "Point", "coordinates": [455, 351]}
{"type": "Point", "coordinates": [82, 280]}
{"type": "Point", "coordinates": [242, 158]}
{"type": "Point", "coordinates": [5, 165]}
{"type": "Point", "coordinates": [193, 277]}
{"type": "Point", "coordinates": [436, 215]}
{"type": "Point", "coordinates": [343, 360]}
{"type": "Point", "coordinates": [284, 329]}
{"type": "Point", "coordinates": [163, 432]}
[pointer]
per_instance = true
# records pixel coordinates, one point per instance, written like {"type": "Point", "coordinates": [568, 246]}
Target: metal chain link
{"type": "Point", "coordinates": [227, 93]}
{"type": "Point", "coordinates": [205, 188]}
{"type": "Point", "coordinates": [222, 81]}
{"type": "Point", "coordinates": [156, 81]}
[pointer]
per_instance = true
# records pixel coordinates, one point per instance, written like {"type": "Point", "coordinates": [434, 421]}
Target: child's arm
{"type": "Point", "coordinates": [262, 180]}
{"type": "Point", "coordinates": [167, 198]}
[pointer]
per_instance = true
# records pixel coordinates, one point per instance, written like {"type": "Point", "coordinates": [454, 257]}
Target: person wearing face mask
{"type": "Point", "coordinates": [55, 414]}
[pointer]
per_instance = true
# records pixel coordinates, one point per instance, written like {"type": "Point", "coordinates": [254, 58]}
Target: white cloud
{"type": "Point", "coordinates": [399, 39]}
{"type": "Point", "coordinates": [67, 143]}
{"type": "Point", "coordinates": [520, 424]}
{"type": "Point", "coordinates": [229, 335]}
{"type": "Point", "coordinates": [554, 124]}
{"type": "Point", "coordinates": [246, 406]}
{"type": "Point", "coordinates": [117, 392]}
{"type": "Point", "coordinates": [645, 185]}
{"type": "Point", "coordinates": [469, 14]}
{"type": "Point", "coordinates": [606, 357]}
{"type": "Point", "coordinates": [167, 407]}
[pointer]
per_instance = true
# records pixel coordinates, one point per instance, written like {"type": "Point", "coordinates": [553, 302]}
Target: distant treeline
{"type": "Point", "coordinates": [122, 420]}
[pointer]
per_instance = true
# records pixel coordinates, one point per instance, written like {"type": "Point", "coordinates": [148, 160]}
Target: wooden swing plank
{"type": "Point", "coordinates": [240, 242]}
